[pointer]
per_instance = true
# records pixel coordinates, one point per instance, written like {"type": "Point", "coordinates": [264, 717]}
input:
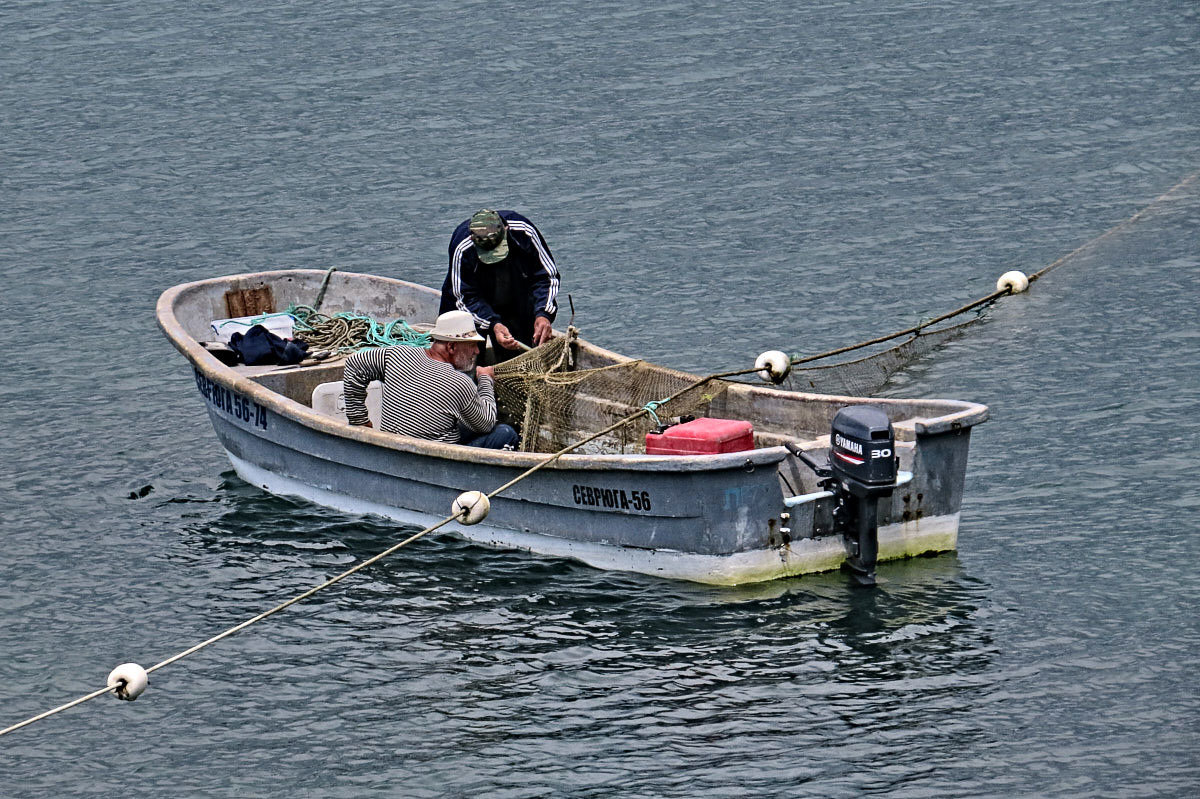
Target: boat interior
{"type": "Point", "coordinates": [779, 417]}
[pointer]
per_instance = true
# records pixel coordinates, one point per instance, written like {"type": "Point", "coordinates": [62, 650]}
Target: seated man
{"type": "Point", "coordinates": [426, 393]}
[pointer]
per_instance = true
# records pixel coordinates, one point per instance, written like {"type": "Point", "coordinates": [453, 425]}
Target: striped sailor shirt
{"type": "Point", "coordinates": [422, 398]}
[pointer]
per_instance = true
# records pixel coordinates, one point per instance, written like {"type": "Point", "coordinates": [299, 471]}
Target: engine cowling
{"type": "Point", "coordinates": [863, 461]}
{"type": "Point", "coordinates": [863, 451]}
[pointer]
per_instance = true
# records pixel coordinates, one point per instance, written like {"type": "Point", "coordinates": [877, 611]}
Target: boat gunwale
{"type": "Point", "coordinates": [965, 415]}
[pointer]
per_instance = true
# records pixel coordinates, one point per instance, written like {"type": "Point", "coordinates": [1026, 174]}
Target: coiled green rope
{"type": "Point", "coordinates": [349, 331]}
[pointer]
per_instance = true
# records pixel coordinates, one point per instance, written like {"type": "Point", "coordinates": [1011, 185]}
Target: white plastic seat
{"type": "Point", "coordinates": [329, 399]}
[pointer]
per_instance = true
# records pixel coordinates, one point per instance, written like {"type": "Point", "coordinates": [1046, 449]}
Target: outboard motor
{"type": "Point", "coordinates": [862, 469]}
{"type": "Point", "coordinates": [864, 464]}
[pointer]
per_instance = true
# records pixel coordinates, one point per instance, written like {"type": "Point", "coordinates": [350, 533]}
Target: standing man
{"type": "Point", "coordinates": [502, 273]}
{"type": "Point", "coordinates": [426, 393]}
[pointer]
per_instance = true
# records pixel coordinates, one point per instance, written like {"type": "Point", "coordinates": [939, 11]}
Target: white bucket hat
{"type": "Point", "coordinates": [455, 326]}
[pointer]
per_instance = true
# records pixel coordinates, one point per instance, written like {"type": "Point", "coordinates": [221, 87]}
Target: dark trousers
{"type": "Point", "coordinates": [502, 435]}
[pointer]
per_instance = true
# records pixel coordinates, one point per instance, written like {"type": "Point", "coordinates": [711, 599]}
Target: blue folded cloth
{"type": "Point", "coordinates": [260, 346]}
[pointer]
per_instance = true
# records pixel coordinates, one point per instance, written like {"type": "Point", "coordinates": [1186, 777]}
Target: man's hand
{"type": "Point", "coordinates": [485, 370]}
{"type": "Point", "coordinates": [505, 338]}
{"type": "Point", "coordinates": [541, 331]}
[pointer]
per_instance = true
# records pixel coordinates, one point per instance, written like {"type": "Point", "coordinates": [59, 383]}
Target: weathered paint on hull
{"type": "Point", "coordinates": [803, 556]}
{"type": "Point", "coordinates": [711, 512]}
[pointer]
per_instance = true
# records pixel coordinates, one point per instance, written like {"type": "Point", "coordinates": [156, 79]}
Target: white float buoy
{"type": "Point", "coordinates": [129, 679]}
{"type": "Point", "coordinates": [1015, 281]}
{"type": "Point", "coordinates": [773, 366]}
{"type": "Point", "coordinates": [475, 503]}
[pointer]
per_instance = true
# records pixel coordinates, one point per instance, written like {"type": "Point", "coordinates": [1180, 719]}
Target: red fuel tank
{"type": "Point", "coordinates": [702, 437]}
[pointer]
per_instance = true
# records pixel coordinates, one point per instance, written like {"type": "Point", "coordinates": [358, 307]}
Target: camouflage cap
{"type": "Point", "coordinates": [487, 230]}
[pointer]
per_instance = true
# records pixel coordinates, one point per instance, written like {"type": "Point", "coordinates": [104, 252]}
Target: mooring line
{"type": "Point", "coordinates": [283, 605]}
{"type": "Point", "coordinates": [1116, 228]}
{"type": "Point", "coordinates": [380, 556]}
{"type": "Point", "coordinates": [59, 709]}
{"type": "Point", "coordinates": [995, 295]}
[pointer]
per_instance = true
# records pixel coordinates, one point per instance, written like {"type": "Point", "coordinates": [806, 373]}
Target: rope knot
{"type": "Point", "coordinates": [651, 407]}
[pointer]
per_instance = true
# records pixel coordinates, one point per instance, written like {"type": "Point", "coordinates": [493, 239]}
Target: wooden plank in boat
{"type": "Point", "coordinates": [249, 302]}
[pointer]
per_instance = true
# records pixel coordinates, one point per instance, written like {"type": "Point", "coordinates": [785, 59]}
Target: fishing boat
{"type": "Point", "coordinates": [807, 483]}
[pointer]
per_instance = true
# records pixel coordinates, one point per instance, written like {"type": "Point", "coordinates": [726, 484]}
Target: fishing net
{"type": "Point", "coordinates": [867, 375]}
{"type": "Point", "coordinates": [555, 406]}
{"type": "Point", "coordinates": [863, 377]}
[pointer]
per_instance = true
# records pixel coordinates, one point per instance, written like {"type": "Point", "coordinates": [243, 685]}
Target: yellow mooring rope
{"type": "Point", "coordinates": [555, 456]}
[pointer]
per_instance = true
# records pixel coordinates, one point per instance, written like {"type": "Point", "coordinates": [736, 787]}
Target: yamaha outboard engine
{"type": "Point", "coordinates": [862, 469]}
{"type": "Point", "coordinates": [863, 461]}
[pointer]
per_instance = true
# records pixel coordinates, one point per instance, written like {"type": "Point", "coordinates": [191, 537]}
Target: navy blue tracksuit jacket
{"type": "Point", "coordinates": [515, 291]}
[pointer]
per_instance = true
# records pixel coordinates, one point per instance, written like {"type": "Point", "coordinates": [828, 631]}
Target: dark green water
{"type": "Point", "coordinates": [715, 180]}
